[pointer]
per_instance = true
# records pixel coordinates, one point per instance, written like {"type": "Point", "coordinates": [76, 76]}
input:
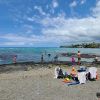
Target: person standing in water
{"type": "Point", "coordinates": [56, 58]}
{"type": "Point", "coordinates": [14, 58]}
{"type": "Point", "coordinates": [49, 55]}
{"type": "Point", "coordinates": [73, 60]}
{"type": "Point", "coordinates": [79, 57]}
{"type": "Point", "coordinates": [42, 59]}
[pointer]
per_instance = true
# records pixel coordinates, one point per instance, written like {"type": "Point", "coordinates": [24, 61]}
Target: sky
{"type": "Point", "coordinates": [48, 23]}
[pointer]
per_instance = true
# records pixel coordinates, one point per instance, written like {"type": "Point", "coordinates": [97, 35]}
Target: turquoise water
{"type": "Point", "coordinates": [34, 54]}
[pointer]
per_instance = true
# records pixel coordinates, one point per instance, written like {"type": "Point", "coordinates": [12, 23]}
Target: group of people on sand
{"type": "Point", "coordinates": [79, 76]}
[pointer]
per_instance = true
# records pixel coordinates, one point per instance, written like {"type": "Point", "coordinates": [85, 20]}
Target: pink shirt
{"type": "Point", "coordinates": [73, 60]}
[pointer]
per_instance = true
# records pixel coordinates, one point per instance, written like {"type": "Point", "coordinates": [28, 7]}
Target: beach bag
{"type": "Point", "coordinates": [82, 69]}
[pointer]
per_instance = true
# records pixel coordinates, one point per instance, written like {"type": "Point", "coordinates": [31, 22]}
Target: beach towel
{"type": "Point", "coordinates": [93, 72]}
{"type": "Point", "coordinates": [82, 77]}
{"type": "Point", "coordinates": [73, 83]}
{"type": "Point", "coordinates": [56, 72]}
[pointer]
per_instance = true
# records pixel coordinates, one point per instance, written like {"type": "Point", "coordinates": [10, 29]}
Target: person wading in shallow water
{"type": "Point", "coordinates": [79, 57]}
{"type": "Point", "coordinates": [56, 58]}
{"type": "Point", "coordinates": [73, 60]}
{"type": "Point", "coordinates": [14, 59]}
{"type": "Point", "coordinates": [42, 58]}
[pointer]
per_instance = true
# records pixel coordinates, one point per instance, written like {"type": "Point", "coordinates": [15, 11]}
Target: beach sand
{"type": "Point", "coordinates": [40, 84]}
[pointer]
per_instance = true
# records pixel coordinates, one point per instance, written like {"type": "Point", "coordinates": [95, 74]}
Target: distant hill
{"type": "Point", "coordinates": [83, 45]}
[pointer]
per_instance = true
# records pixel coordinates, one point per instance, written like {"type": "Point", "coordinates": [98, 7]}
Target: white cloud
{"type": "Point", "coordinates": [13, 43]}
{"type": "Point", "coordinates": [47, 6]}
{"type": "Point", "coordinates": [59, 30]}
{"type": "Point", "coordinates": [72, 29]}
{"type": "Point", "coordinates": [96, 10]}
{"type": "Point", "coordinates": [30, 19]}
{"type": "Point", "coordinates": [55, 4]}
{"type": "Point", "coordinates": [73, 4]}
{"type": "Point", "coordinates": [40, 10]}
{"type": "Point", "coordinates": [18, 40]}
{"type": "Point", "coordinates": [82, 2]}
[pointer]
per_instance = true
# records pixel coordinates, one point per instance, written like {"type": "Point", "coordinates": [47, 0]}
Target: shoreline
{"type": "Point", "coordinates": [25, 66]}
{"type": "Point", "coordinates": [69, 63]}
{"type": "Point", "coordinates": [50, 62]}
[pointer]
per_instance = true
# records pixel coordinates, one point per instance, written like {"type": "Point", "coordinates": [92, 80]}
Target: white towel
{"type": "Point", "coordinates": [56, 72]}
{"type": "Point", "coordinates": [93, 72]}
{"type": "Point", "coordinates": [82, 77]}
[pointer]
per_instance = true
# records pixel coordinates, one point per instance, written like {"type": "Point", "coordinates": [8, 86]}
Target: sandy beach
{"type": "Point", "coordinates": [40, 84]}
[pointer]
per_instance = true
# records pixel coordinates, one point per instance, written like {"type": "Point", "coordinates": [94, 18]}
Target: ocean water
{"type": "Point", "coordinates": [27, 54]}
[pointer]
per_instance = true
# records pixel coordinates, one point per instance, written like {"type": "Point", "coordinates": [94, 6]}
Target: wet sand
{"type": "Point", "coordinates": [39, 84]}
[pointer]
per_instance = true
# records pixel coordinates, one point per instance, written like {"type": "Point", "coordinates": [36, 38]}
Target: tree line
{"type": "Point", "coordinates": [83, 45]}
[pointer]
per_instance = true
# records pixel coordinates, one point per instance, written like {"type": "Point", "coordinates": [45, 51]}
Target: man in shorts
{"type": "Point", "coordinates": [79, 57]}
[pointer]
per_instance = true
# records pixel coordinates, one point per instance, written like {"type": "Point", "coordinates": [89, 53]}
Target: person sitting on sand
{"type": "Point", "coordinates": [73, 72]}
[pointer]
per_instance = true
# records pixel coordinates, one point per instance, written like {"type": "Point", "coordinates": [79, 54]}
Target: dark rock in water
{"type": "Point", "coordinates": [87, 56]}
{"type": "Point", "coordinates": [7, 56]}
{"type": "Point", "coordinates": [82, 55]}
{"type": "Point", "coordinates": [68, 54]}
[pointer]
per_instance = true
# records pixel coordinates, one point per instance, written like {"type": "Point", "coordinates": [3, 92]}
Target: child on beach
{"type": "Point", "coordinates": [73, 60]}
